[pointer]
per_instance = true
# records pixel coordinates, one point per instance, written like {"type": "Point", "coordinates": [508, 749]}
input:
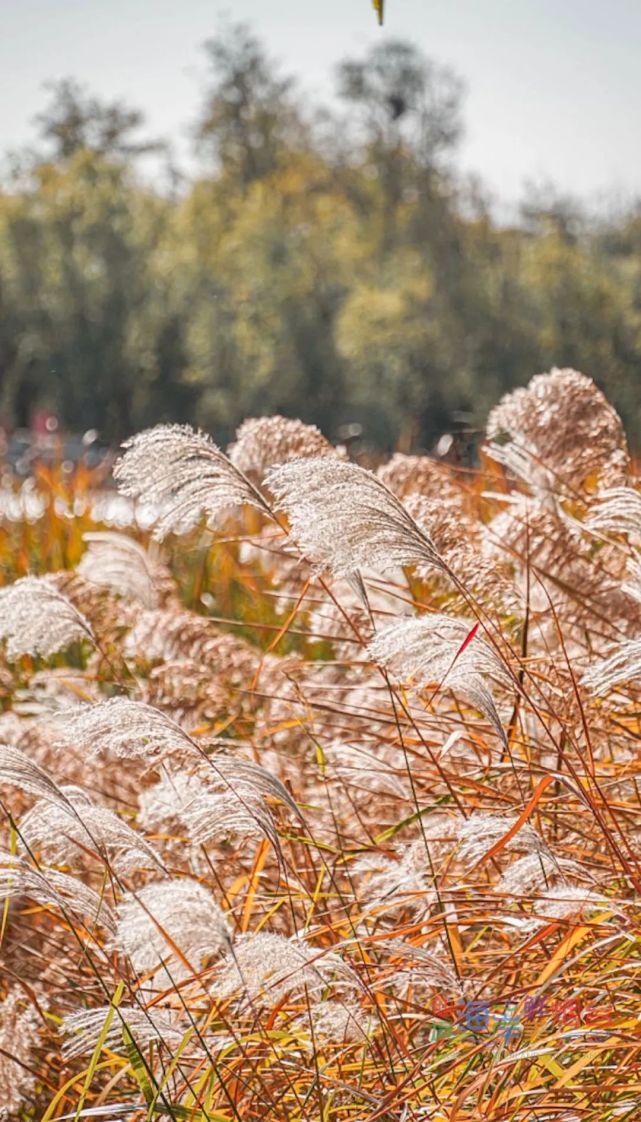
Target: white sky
{"type": "Point", "coordinates": [553, 86]}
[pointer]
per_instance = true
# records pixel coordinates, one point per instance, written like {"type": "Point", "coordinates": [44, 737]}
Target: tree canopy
{"type": "Point", "coordinates": [328, 264]}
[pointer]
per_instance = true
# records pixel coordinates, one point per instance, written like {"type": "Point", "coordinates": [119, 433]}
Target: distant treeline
{"type": "Point", "coordinates": [327, 264]}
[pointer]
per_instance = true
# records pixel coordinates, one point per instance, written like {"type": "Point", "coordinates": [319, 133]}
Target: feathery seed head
{"type": "Point", "coordinates": [118, 562]}
{"type": "Point", "coordinates": [166, 635]}
{"type": "Point", "coordinates": [616, 510]}
{"type": "Point", "coordinates": [337, 1022]}
{"type": "Point", "coordinates": [18, 1036]}
{"type": "Point", "coordinates": [344, 518]}
{"type": "Point", "coordinates": [187, 690]}
{"type": "Point", "coordinates": [478, 833]}
{"type": "Point", "coordinates": [420, 475]}
{"type": "Point", "coordinates": [185, 475]}
{"type": "Point", "coordinates": [265, 442]}
{"type": "Point", "coordinates": [535, 870]}
{"type": "Point", "coordinates": [18, 770]}
{"type": "Point", "coordinates": [267, 967]}
{"type": "Point", "coordinates": [564, 901]}
{"type": "Point", "coordinates": [387, 884]}
{"type": "Point", "coordinates": [622, 664]}
{"type": "Point", "coordinates": [36, 619]}
{"type": "Point", "coordinates": [120, 727]}
{"type": "Point", "coordinates": [61, 833]}
{"type": "Point", "coordinates": [440, 651]}
{"type": "Point", "coordinates": [212, 805]}
{"type": "Point", "coordinates": [560, 430]}
{"type": "Point", "coordinates": [167, 915]}
{"type": "Point", "coordinates": [83, 1029]}
{"type": "Point", "coordinates": [53, 889]}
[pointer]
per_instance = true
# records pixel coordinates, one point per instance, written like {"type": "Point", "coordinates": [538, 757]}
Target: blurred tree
{"type": "Point", "coordinates": [249, 120]}
{"type": "Point", "coordinates": [264, 286]}
{"type": "Point", "coordinates": [79, 253]}
{"type": "Point", "coordinates": [404, 101]}
{"type": "Point", "coordinates": [75, 120]}
{"type": "Point", "coordinates": [343, 273]}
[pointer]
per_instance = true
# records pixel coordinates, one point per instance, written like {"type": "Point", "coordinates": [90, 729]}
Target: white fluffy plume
{"type": "Point", "coordinates": [120, 727]}
{"type": "Point", "coordinates": [118, 562]}
{"type": "Point", "coordinates": [263, 442]}
{"type": "Point", "coordinates": [83, 1029]}
{"type": "Point", "coordinates": [266, 966]}
{"type": "Point", "coordinates": [36, 619]}
{"type": "Point", "coordinates": [53, 889]}
{"type": "Point", "coordinates": [19, 1023]}
{"type": "Point", "coordinates": [622, 665]}
{"type": "Point", "coordinates": [19, 770]}
{"type": "Point", "coordinates": [443, 652]}
{"type": "Point", "coordinates": [344, 518]}
{"type": "Point", "coordinates": [61, 833]}
{"type": "Point", "coordinates": [173, 920]}
{"type": "Point", "coordinates": [616, 510]}
{"type": "Point", "coordinates": [185, 475]}
{"type": "Point", "coordinates": [225, 798]}
{"type": "Point", "coordinates": [478, 833]}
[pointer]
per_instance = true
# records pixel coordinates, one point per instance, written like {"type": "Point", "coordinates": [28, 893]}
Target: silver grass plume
{"type": "Point", "coordinates": [241, 788]}
{"type": "Point", "coordinates": [119, 563]}
{"type": "Point", "coordinates": [519, 456]}
{"type": "Point", "coordinates": [36, 619]}
{"type": "Point", "coordinates": [564, 901]}
{"type": "Point", "coordinates": [632, 585]}
{"type": "Point", "coordinates": [421, 475]}
{"type": "Point", "coordinates": [164, 635]}
{"type": "Point", "coordinates": [83, 1029]}
{"type": "Point", "coordinates": [227, 797]}
{"type": "Point", "coordinates": [617, 510]}
{"type": "Point", "coordinates": [53, 889]}
{"type": "Point", "coordinates": [267, 967]}
{"type": "Point", "coordinates": [622, 665]}
{"type": "Point", "coordinates": [175, 911]}
{"type": "Point", "coordinates": [431, 966]}
{"type": "Point", "coordinates": [478, 833]}
{"type": "Point", "coordinates": [419, 980]}
{"type": "Point", "coordinates": [120, 727]}
{"type": "Point", "coordinates": [219, 816]}
{"type": "Point", "coordinates": [535, 871]}
{"type": "Point", "coordinates": [343, 517]}
{"type": "Point", "coordinates": [52, 690]}
{"type": "Point", "coordinates": [387, 884]}
{"type": "Point", "coordinates": [559, 429]}
{"type": "Point", "coordinates": [162, 806]}
{"type": "Point", "coordinates": [209, 806]}
{"type": "Point", "coordinates": [265, 442]}
{"type": "Point", "coordinates": [237, 771]}
{"type": "Point", "coordinates": [61, 833]}
{"type": "Point", "coordinates": [17, 769]}
{"type": "Point", "coordinates": [440, 651]}
{"type": "Point", "coordinates": [459, 541]}
{"type": "Point", "coordinates": [188, 690]}
{"type": "Point", "coordinates": [359, 767]}
{"type": "Point", "coordinates": [108, 614]}
{"type": "Point", "coordinates": [336, 1022]}
{"type": "Point", "coordinates": [185, 475]}
{"type": "Point", "coordinates": [19, 1023]}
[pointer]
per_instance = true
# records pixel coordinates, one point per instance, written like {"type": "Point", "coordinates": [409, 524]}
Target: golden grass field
{"type": "Point", "coordinates": [320, 784]}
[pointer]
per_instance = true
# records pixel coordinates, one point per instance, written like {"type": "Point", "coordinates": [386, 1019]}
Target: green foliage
{"type": "Point", "coordinates": [331, 267]}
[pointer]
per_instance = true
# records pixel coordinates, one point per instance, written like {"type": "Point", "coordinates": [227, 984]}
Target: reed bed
{"type": "Point", "coordinates": [320, 784]}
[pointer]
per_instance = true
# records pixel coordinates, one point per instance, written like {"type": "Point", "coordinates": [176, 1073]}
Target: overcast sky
{"type": "Point", "coordinates": [553, 86]}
